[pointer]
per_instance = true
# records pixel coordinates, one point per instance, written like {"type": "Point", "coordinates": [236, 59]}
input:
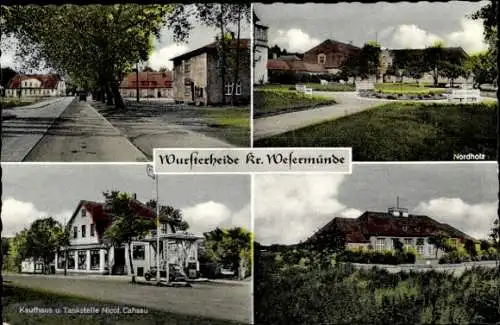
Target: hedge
{"type": "Point", "coordinates": [375, 257]}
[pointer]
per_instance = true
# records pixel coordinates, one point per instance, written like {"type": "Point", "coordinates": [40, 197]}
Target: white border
{"type": "Point", "coordinates": [251, 74]}
{"type": "Point", "coordinates": [252, 229]}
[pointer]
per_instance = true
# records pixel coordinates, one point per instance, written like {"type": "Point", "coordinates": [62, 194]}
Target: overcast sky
{"type": "Point", "coordinates": [35, 191]}
{"type": "Point", "coordinates": [299, 27]}
{"type": "Point", "coordinates": [290, 208]}
{"type": "Point", "coordinates": [165, 48]}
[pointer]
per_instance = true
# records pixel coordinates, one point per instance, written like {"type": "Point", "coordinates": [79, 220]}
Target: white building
{"type": "Point", "coordinates": [36, 86]}
{"type": "Point", "coordinates": [88, 254]}
{"type": "Point", "coordinates": [260, 49]}
{"type": "Point", "coordinates": [30, 266]}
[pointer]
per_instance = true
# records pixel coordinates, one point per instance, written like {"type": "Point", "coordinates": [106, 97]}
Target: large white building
{"type": "Point", "coordinates": [50, 85]}
{"type": "Point", "coordinates": [88, 253]}
{"type": "Point", "coordinates": [260, 51]}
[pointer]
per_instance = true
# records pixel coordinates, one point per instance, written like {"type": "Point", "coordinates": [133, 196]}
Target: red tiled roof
{"type": "Point", "coordinates": [244, 44]}
{"type": "Point", "coordinates": [295, 65]}
{"type": "Point", "coordinates": [148, 80]}
{"type": "Point", "coordinates": [48, 81]}
{"type": "Point", "coordinates": [359, 230]}
{"type": "Point", "coordinates": [277, 65]}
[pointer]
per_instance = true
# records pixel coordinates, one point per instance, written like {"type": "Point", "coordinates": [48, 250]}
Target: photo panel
{"type": "Point", "coordinates": [416, 82]}
{"type": "Point", "coordinates": [108, 83]}
{"type": "Point", "coordinates": [81, 244]}
{"type": "Point", "coordinates": [389, 244]}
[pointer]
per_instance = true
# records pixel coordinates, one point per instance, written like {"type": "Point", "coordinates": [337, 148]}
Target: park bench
{"type": "Point", "coordinates": [300, 87]}
{"type": "Point", "coordinates": [323, 82]}
{"type": "Point", "coordinates": [465, 95]}
{"type": "Point", "coordinates": [308, 91]}
{"type": "Point", "coordinates": [364, 85]}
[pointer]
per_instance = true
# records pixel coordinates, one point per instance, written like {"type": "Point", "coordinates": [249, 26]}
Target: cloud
{"type": "Point", "coordinates": [209, 215]}
{"type": "Point", "coordinates": [474, 219]}
{"type": "Point", "coordinates": [290, 208]}
{"type": "Point", "coordinates": [17, 215]}
{"type": "Point", "coordinates": [411, 36]}
{"type": "Point", "coordinates": [295, 40]}
{"type": "Point", "coordinates": [470, 37]}
{"type": "Point", "coordinates": [161, 58]}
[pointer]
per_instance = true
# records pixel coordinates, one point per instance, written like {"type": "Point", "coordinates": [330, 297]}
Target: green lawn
{"type": "Point", "coordinates": [278, 100]}
{"type": "Point", "coordinates": [230, 123]}
{"type": "Point", "coordinates": [15, 298]}
{"type": "Point", "coordinates": [313, 86]}
{"type": "Point", "coordinates": [407, 89]}
{"type": "Point", "coordinates": [14, 102]}
{"type": "Point", "coordinates": [403, 132]}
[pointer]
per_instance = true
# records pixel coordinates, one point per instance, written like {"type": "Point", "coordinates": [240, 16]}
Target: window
{"type": "Point", "coordinates": [164, 228]}
{"type": "Point", "coordinates": [75, 232]}
{"type": "Point", "coordinates": [408, 242]}
{"type": "Point", "coordinates": [61, 260]}
{"type": "Point", "coordinates": [380, 244]}
{"type": "Point", "coordinates": [84, 213]}
{"type": "Point", "coordinates": [84, 231]}
{"type": "Point", "coordinates": [82, 260]}
{"type": "Point", "coordinates": [321, 58]}
{"type": "Point", "coordinates": [187, 67]}
{"type": "Point", "coordinates": [229, 89]}
{"type": "Point", "coordinates": [95, 259]}
{"type": "Point", "coordinates": [92, 230]}
{"type": "Point", "coordinates": [199, 92]}
{"type": "Point", "coordinates": [420, 249]}
{"type": "Point", "coordinates": [238, 88]}
{"type": "Point", "coordinates": [71, 260]}
{"type": "Point", "coordinates": [139, 252]}
{"type": "Point", "coordinates": [187, 90]}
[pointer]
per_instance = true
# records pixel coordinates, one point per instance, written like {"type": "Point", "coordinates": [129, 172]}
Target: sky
{"type": "Point", "coordinates": [290, 208]}
{"type": "Point", "coordinates": [165, 48]}
{"type": "Point", "coordinates": [31, 192]}
{"type": "Point", "coordinates": [300, 27]}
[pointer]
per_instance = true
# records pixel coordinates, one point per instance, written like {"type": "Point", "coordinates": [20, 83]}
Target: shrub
{"type": "Point", "coordinates": [375, 257]}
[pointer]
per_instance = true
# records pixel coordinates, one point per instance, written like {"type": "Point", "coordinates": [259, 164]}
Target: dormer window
{"type": "Point", "coordinates": [321, 58]}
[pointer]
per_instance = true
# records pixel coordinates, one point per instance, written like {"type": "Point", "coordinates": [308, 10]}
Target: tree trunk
{"type": "Point", "coordinates": [237, 69]}
{"type": "Point", "coordinates": [65, 262]}
{"type": "Point", "coordinates": [109, 95]}
{"type": "Point", "coordinates": [223, 55]}
{"type": "Point", "coordinates": [130, 262]}
{"type": "Point", "coordinates": [119, 104]}
{"type": "Point", "coordinates": [102, 94]}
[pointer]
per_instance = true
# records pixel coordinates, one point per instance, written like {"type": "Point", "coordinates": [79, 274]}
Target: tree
{"type": "Point", "coordinates": [170, 215]}
{"type": "Point", "coordinates": [127, 225]}
{"type": "Point", "coordinates": [434, 59]}
{"type": "Point", "coordinates": [452, 71]}
{"type": "Point", "coordinates": [43, 240]}
{"type": "Point", "coordinates": [483, 68]}
{"type": "Point", "coordinates": [401, 63]}
{"type": "Point", "coordinates": [163, 69]}
{"type": "Point", "coordinates": [439, 242]}
{"type": "Point", "coordinates": [63, 238]}
{"type": "Point", "coordinates": [6, 74]}
{"type": "Point", "coordinates": [398, 245]}
{"type": "Point", "coordinates": [17, 251]}
{"type": "Point", "coordinates": [470, 247]}
{"type": "Point", "coordinates": [229, 247]}
{"type": "Point", "coordinates": [369, 59]}
{"type": "Point", "coordinates": [350, 68]}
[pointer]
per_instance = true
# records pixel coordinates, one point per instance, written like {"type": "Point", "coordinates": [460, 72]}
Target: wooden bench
{"type": "Point", "coordinates": [465, 95]}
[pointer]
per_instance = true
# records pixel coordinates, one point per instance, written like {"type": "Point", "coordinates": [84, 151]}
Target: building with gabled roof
{"type": "Point", "coordinates": [89, 253]}
{"type": "Point", "coordinates": [379, 230]}
{"type": "Point", "coordinates": [36, 85]}
{"type": "Point", "coordinates": [198, 79]}
{"type": "Point", "coordinates": [151, 84]}
{"type": "Point", "coordinates": [330, 54]}
{"type": "Point", "coordinates": [260, 51]}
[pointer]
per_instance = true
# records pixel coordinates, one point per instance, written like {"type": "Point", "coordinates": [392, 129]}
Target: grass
{"type": "Point", "coordinates": [279, 100]}
{"type": "Point", "coordinates": [14, 102]}
{"type": "Point", "coordinates": [231, 123]}
{"type": "Point", "coordinates": [402, 132]}
{"type": "Point", "coordinates": [407, 89]}
{"type": "Point", "coordinates": [313, 86]}
{"type": "Point", "coordinates": [15, 298]}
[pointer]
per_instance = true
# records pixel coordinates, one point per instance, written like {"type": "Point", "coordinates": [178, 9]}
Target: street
{"type": "Point", "coordinates": [218, 301]}
{"type": "Point", "coordinates": [22, 133]}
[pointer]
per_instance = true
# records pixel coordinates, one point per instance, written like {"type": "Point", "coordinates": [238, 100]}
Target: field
{"type": "Point", "coordinates": [19, 301]}
{"type": "Point", "coordinates": [273, 100]}
{"type": "Point", "coordinates": [408, 89]}
{"type": "Point", "coordinates": [318, 294]}
{"type": "Point", "coordinates": [403, 132]}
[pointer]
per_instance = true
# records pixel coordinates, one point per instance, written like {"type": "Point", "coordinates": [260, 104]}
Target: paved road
{"type": "Point", "coordinates": [218, 301]}
{"type": "Point", "coordinates": [21, 134]}
{"type": "Point", "coordinates": [347, 103]}
{"type": "Point", "coordinates": [82, 134]}
{"type": "Point", "coordinates": [160, 126]}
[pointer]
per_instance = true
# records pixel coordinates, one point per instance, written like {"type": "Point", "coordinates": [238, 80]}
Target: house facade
{"type": "Point", "coordinates": [380, 230]}
{"type": "Point", "coordinates": [198, 80]}
{"type": "Point", "coordinates": [260, 51]}
{"type": "Point", "coordinates": [330, 55]}
{"type": "Point", "coordinates": [88, 253]}
{"type": "Point", "coordinates": [151, 84]}
{"type": "Point", "coordinates": [50, 85]}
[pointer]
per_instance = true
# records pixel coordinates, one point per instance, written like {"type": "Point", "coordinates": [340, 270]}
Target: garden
{"type": "Point", "coordinates": [278, 99]}
{"type": "Point", "coordinates": [403, 132]}
{"type": "Point", "coordinates": [300, 286]}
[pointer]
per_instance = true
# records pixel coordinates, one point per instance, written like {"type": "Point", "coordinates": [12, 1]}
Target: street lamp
{"type": "Point", "coordinates": [137, 81]}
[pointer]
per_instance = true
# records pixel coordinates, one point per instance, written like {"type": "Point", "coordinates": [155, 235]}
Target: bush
{"type": "Point", "coordinates": [375, 257]}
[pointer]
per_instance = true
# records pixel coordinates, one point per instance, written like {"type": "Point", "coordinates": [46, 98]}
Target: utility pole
{"type": "Point", "coordinates": [151, 173]}
{"type": "Point", "coordinates": [137, 81]}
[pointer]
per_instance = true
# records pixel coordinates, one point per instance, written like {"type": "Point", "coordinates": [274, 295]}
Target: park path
{"type": "Point", "coordinates": [217, 301]}
{"type": "Point", "coordinates": [22, 133]}
{"type": "Point", "coordinates": [81, 134]}
{"type": "Point", "coordinates": [347, 103]}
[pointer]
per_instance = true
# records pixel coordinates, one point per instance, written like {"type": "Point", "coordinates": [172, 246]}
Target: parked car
{"type": "Point", "coordinates": [176, 274]}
